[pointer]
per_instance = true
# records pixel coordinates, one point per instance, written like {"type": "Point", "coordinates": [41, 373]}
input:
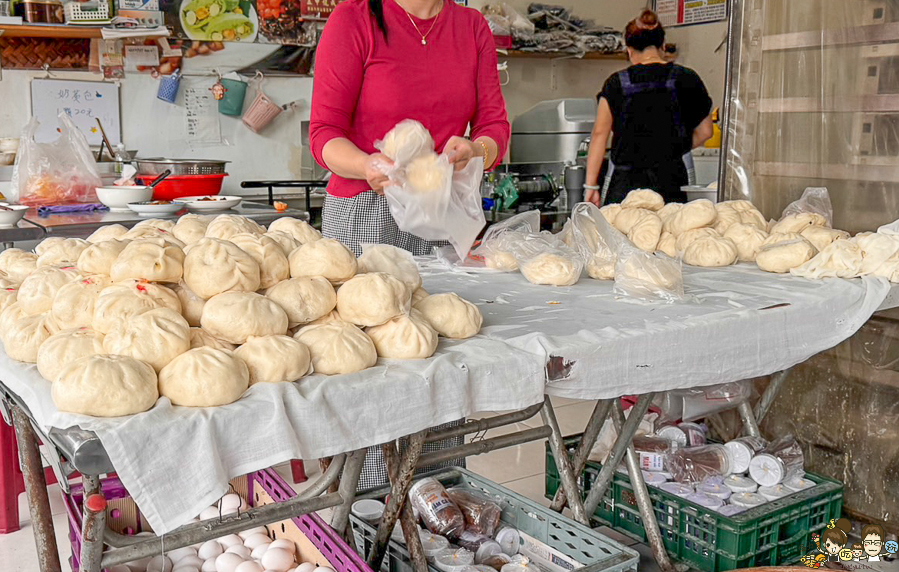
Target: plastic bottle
{"type": "Point", "coordinates": [437, 511]}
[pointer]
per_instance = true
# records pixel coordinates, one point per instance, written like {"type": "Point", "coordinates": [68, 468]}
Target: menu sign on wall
{"type": "Point", "coordinates": [684, 12]}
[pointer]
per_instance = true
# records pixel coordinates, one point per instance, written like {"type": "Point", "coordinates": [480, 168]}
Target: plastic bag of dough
{"type": "Point", "coordinates": [406, 141]}
{"type": "Point", "coordinates": [598, 257]}
{"type": "Point", "coordinates": [545, 260]}
{"type": "Point", "coordinates": [813, 200]}
{"type": "Point", "coordinates": [839, 259]}
{"type": "Point", "coordinates": [498, 240]}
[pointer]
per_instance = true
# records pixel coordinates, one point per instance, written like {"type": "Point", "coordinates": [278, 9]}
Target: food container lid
{"type": "Point", "coordinates": [694, 432]}
{"type": "Point", "coordinates": [486, 550]}
{"type": "Point", "coordinates": [798, 483]}
{"type": "Point", "coordinates": [742, 455]}
{"type": "Point", "coordinates": [766, 469]}
{"type": "Point", "coordinates": [775, 492]}
{"type": "Point", "coordinates": [509, 540]}
{"type": "Point", "coordinates": [740, 484]}
{"type": "Point", "coordinates": [719, 491]}
{"type": "Point", "coordinates": [679, 489]}
{"type": "Point", "coordinates": [654, 479]}
{"type": "Point", "coordinates": [368, 509]}
{"type": "Point", "coordinates": [452, 559]}
{"type": "Point", "coordinates": [415, 486]}
{"type": "Point", "coordinates": [731, 509]}
{"type": "Point", "coordinates": [747, 500]}
{"type": "Point", "coordinates": [432, 544]}
{"type": "Point", "coordinates": [705, 500]}
{"type": "Point", "coordinates": [673, 433]}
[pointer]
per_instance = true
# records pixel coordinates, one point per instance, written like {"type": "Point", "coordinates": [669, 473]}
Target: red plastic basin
{"type": "Point", "coordinates": [177, 186]}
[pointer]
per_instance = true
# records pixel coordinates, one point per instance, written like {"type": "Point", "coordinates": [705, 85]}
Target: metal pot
{"type": "Point", "coordinates": [158, 165]}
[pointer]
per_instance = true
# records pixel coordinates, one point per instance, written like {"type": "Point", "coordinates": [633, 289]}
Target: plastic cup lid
{"type": "Point", "coordinates": [767, 470]}
{"type": "Point", "coordinates": [798, 483]}
{"type": "Point", "coordinates": [654, 479]}
{"type": "Point", "coordinates": [679, 489]}
{"type": "Point", "coordinates": [740, 484]}
{"type": "Point", "coordinates": [509, 540]}
{"type": "Point", "coordinates": [747, 500]}
{"type": "Point", "coordinates": [368, 509]}
{"type": "Point", "coordinates": [673, 433]}
{"type": "Point", "coordinates": [486, 550]}
{"type": "Point", "coordinates": [775, 492]}
{"type": "Point", "coordinates": [705, 500]}
{"type": "Point", "coordinates": [453, 558]}
{"type": "Point", "coordinates": [714, 480]}
{"type": "Point", "coordinates": [731, 509]}
{"type": "Point", "coordinates": [741, 454]}
{"type": "Point", "coordinates": [719, 491]}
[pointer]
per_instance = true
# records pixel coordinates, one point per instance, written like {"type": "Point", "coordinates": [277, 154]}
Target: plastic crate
{"type": "Point", "coordinates": [316, 541]}
{"type": "Point", "coordinates": [102, 14]}
{"type": "Point", "coordinates": [595, 551]}
{"type": "Point", "coordinates": [775, 534]}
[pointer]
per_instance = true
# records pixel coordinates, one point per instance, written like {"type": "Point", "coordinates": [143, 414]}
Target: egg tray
{"type": "Point", "coordinates": [316, 541]}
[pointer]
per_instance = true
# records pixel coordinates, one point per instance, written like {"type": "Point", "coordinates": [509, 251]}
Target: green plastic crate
{"type": "Point", "coordinates": [597, 552]}
{"type": "Point", "coordinates": [775, 534]}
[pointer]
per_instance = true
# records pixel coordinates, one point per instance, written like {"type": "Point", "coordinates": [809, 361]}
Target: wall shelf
{"type": "Point", "coordinates": [50, 31]}
{"type": "Point", "coordinates": [845, 172]}
{"type": "Point", "coordinates": [559, 55]}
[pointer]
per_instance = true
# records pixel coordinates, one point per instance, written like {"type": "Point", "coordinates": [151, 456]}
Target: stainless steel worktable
{"type": "Point", "coordinates": [81, 225]}
{"type": "Point", "coordinates": [24, 230]}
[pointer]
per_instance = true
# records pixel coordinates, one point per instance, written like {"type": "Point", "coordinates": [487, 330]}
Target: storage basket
{"type": "Point", "coordinates": [316, 541]}
{"type": "Point", "coordinates": [575, 541]}
{"type": "Point", "coordinates": [261, 112]}
{"type": "Point", "coordinates": [774, 534]}
{"type": "Point", "coordinates": [101, 15]}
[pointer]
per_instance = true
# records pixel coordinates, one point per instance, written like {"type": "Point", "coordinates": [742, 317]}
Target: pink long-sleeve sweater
{"type": "Point", "coordinates": [364, 84]}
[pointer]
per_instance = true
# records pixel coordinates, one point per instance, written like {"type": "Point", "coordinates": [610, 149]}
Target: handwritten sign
{"type": "Point", "coordinates": [83, 101]}
{"type": "Point", "coordinates": [201, 115]}
{"type": "Point", "coordinates": [684, 12]}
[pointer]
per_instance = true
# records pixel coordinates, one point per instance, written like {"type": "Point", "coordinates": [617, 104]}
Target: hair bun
{"type": "Point", "coordinates": [648, 19]}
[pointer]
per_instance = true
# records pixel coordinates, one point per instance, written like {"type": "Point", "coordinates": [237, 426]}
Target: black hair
{"type": "Point", "coordinates": [644, 31]}
{"type": "Point", "coordinates": [377, 10]}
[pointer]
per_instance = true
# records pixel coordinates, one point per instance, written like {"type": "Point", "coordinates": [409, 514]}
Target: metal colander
{"type": "Point", "coordinates": [156, 166]}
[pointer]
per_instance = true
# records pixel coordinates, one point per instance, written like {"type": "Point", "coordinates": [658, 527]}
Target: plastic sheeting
{"type": "Point", "coordinates": [814, 102]}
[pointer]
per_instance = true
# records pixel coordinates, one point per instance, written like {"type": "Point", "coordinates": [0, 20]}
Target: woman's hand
{"type": "Point", "coordinates": [460, 151]}
{"type": "Point", "coordinates": [375, 165]}
{"type": "Point", "coordinates": [593, 196]}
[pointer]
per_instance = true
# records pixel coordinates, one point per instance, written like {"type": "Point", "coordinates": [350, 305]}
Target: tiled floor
{"type": "Point", "coordinates": [520, 469]}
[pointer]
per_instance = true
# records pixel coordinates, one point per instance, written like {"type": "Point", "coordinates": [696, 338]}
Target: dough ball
{"type": "Point", "coordinates": [877, 249]}
{"type": "Point", "coordinates": [237, 316]}
{"type": "Point", "coordinates": [64, 252]}
{"type": "Point", "coordinates": [649, 273]}
{"type": "Point", "coordinates": [17, 264]}
{"type": "Point", "coordinates": [338, 348]}
{"type": "Point", "coordinates": [778, 237]}
{"type": "Point", "coordinates": [8, 296]}
{"type": "Point", "coordinates": [37, 292]}
{"type": "Point", "coordinates": [200, 338]}
{"type": "Point", "coordinates": [646, 231]}
{"type": "Point", "coordinates": [329, 318]}
{"type": "Point", "coordinates": [139, 232]}
{"type": "Point", "coordinates": [668, 244]}
{"type": "Point", "coordinates": [326, 257]}
{"type": "Point", "coordinates": [191, 304]}
{"type": "Point", "coordinates": [687, 238]}
{"type": "Point", "coordinates": [626, 219]}
{"type": "Point", "coordinates": [275, 359]}
{"type": "Point", "coordinates": [155, 337]}
{"type": "Point", "coordinates": [798, 222]}
{"type": "Point", "coordinates": [408, 336]}
{"type": "Point", "coordinates": [303, 299]}
{"type": "Point", "coordinates": [285, 240]}
{"type": "Point", "coordinates": [669, 209]}
{"type": "Point", "coordinates": [300, 230]}
{"type": "Point", "coordinates": [213, 266]}
{"type": "Point", "coordinates": [23, 337]}
{"type": "Point", "coordinates": [65, 347]}
{"type": "Point", "coordinates": [840, 259]}
{"type": "Point", "coordinates": [204, 377]}
{"type": "Point", "coordinates": [643, 199]}
{"type": "Point", "coordinates": [107, 232]}
{"type": "Point", "coordinates": [372, 299]}
{"type": "Point", "coordinates": [503, 261]}
{"type": "Point", "coordinates": [105, 386]}
{"type": "Point", "coordinates": [822, 236]}
{"type": "Point", "coordinates": [711, 252]}
{"type": "Point", "coordinates": [727, 217]}
{"type": "Point", "coordinates": [695, 214]}
{"type": "Point", "coordinates": [451, 316]}
{"type": "Point", "coordinates": [783, 256]}
{"type": "Point", "coordinates": [47, 244]}
{"type": "Point", "coordinates": [551, 269]}
{"type": "Point", "coordinates": [157, 223]}
{"type": "Point", "coordinates": [122, 301]}
{"type": "Point", "coordinates": [395, 261]}
{"type": "Point", "coordinates": [99, 257]}
{"type": "Point", "coordinates": [429, 173]}
{"type": "Point", "coordinates": [190, 228]}
{"type": "Point", "coordinates": [749, 240]}
{"type": "Point", "coordinates": [273, 266]}
{"type": "Point", "coordinates": [73, 306]}
{"type": "Point", "coordinates": [151, 259]}
{"type": "Point", "coordinates": [600, 268]}
{"type": "Point", "coordinates": [408, 139]}
{"type": "Point", "coordinates": [10, 315]}
{"type": "Point", "coordinates": [610, 212]}
{"type": "Point", "coordinates": [225, 226]}
{"type": "Point", "coordinates": [739, 205]}
{"type": "Point", "coordinates": [755, 218]}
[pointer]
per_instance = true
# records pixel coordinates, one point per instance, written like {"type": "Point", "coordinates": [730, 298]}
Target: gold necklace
{"type": "Point", "coordinates": [424, 41]}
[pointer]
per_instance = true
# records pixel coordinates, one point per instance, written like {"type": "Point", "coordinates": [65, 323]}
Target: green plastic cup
{"type": "Point", "coordinates": [232, 102]}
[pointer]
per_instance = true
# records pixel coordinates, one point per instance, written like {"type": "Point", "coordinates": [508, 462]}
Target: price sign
{"type": "Point", "coordinates": [684, 12]}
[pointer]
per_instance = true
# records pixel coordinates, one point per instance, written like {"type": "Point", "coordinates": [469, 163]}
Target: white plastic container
{"type": "Point", "coordinates": [775, 492]}
{"type": "Point", "coordinates": [743, 450]}
{"type": "Point", "coordinates": [673, 433]}
{"type": "Point", "coordinates": [719, 491]}
{"type": "Point", "coordinates": [653, 478]}
{"type": "Point", "coordinates": [509, 540]}
{"type": "Point", "coordinates": [730, 510]}
{"type": "Point", "coordinates": [797, 483]}
{"type": "Point", "coordinates": [740, 484]}
{"type": "Point", "coordinates": [678, 489]}
{"type": "Point", "coordinates": [747, 500]}
{"type": "Point", "coordinates": [705, 500]}
{"type": "Point", "coordinates": [432, 544]}
{"type": "Point", "coordinates": [369, 510]}
{"type": "Point", "coordinates": [766, 469]}
{"type": "Point", "coordinates": [453, 559]}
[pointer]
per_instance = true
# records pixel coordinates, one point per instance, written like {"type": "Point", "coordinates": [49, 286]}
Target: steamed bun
{"type": "Point", "coordinates": [338, 348]}
{"type": "Point", "coordinates": [395, 261]}
{"type": "Point", "coordinates": [23, 337]}
{"type": "Point", "coordinates": [300, 230]}
{"type": "Point", "coordinates": [285, 240]}
{"type": "Point", "coordinates": [782, 256]}
{"type": "Point", "coordinates": [200, 338]}
{"type": "Point", "coordinates": [155, 337]}
{"type": "Point", "coordinates": [552, 269]}
{"type": "Point", "coordinates": [225, 226]}
{"type": "Point", "coordinates": [408, 336]}
{"type": "Point", "coordinates": [326, 257]}
{"type": "Point", "coordinates": [99, 257]}
{"type": "Point", "coordinates": [643, 199]}
{"type": "Point", "coordinates": [61, 349]}
{"type": "Point", "coordinates": [151, 259]}
{"type": "Point", "coordinates": [695, 214]}
{"type": "Point", "coordinates": [275, 359]}
{"type": "Point", "coordinates": [237, 316]}
{"type": "Point", "coordinates": [407, 140]}
{"type": "Point", "coordinates": [190, 228]}
{"type": "Point", "coordinates": [191, 304]}
{"type": "Point", "coordinates": [213, 266]}
{"type": "Point", "coordinates": [122, 301]}
{"type": "Point", "coordinates": [73, 305]}
{"type": "Point", "coordinates": [105, 386]}
{"type": "Point", "coordinates": [303, 299]}
{"type": "Point", "coordinates": [451, 316]}
{"type": "Point", "coordinates": [37, 292]}
{"type": "Point", "coordinates": [372, 299]}
{"type": "Point", "coordinates": [711, 251]}
{"type": "Point", "coordinates": [429, 173]}
{"type": "Point", "coordinates": [273, 265]}
{"type": "Point", "coordinates": [107, 232]}
{"type": "Point", "coordinates": [204, 377]}
{"type": "Point", "coordinates": [64, 252]}
{"type": "Point", "coordinates": [17, 264]}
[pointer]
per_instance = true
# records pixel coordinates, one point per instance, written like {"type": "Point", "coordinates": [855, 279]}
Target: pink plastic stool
{"type": "Point", "coordinates": [11, 482]}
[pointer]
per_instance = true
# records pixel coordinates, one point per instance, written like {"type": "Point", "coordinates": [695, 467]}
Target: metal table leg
{"type": "Point", "coordinates": [764, 404]}
{"type": "Point", "coordinates": [94, 525]}
{"type": "Point", "coordinates": [644, 503]}
{"type": "Point", "coordinates": [38, 498]}
{"type": "Point", "coordinates": [563, 463]}
{"type": "Point", "coordinates": [625, 436]}
{"type": "Point", "coordinates": [407, 518]}
{"type": "Point", "coordinates": [349, 481]}
{"type": "Point", "coordinates": [748, 417]}
{"type": "Point", "coordinates": [579, 459]}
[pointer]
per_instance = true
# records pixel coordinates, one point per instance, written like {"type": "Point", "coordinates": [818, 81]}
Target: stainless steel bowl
{"type": "Point", "coordinates": [156, 166]}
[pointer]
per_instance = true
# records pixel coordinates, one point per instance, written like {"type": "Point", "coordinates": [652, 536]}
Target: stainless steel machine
{"type": "Point", "coordinates": [552, 131]}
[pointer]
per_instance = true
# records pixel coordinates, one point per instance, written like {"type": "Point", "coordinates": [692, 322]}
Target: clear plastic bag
{"type": "Point", "coordinates": [598, 256]}
{"type": "Point", "coordinates": [545, 260]}
{"type": "Point", "coordinates": [692, 404]}
{"type": "Point", "coordinates": [813, 200]}
{"type": "Point", "coordinates": [481, 513]}
{"type": "Point", "coordinates": [499, 239]}
{"type": "Point", "coordinates": [695, 464]}
{"type": "Point", "coordinates": [60, 172]}
{"type": "Point", "coordinates": [407, 140]}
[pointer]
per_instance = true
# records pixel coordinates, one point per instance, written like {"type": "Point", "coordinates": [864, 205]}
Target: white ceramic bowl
{"type": "Point", "coordinates": [147, 208]}
{"type": "Point", "coordinates": [218, 202]}
{"type": "Point", "coordinates": [117, 198]}
{"type": "Point", "coordinates": [9, 144]}
{"type": "Point", "coordinates": [9, 219]}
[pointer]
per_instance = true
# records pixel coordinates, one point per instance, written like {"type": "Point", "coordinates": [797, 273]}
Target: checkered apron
{"type": "Point", "coordinates": [366, 219]}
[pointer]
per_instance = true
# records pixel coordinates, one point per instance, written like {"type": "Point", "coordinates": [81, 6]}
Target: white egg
{"type": "Point", "coordinates": [208, 566]}
{"type": "Point", "coordinates": [245, 534]}
{"type": "Point", "coordinates": [209, 549]}
{"type": "Point", "coordinates": [230, 540]}
{"type": "Point", "coordinates": [255, 540]}
{"type": "Point", "coordinates": [288, 545]}
{"type": "Point", "coordinates": [183, 568]}
{"type": "Point", "coordinates": [324, 569]}
{"type": "Point", "coordinates": [194, 561]}
{"type": "Point", "coordinates": [277, 559]}
{"type": "Point", "coordinates": [227, 562]}
{"type": "Point", "coordinates": [249, 566]}
{"type": "Point", "coordinates": [240, 550]}
{"type": "Point", "coordinates": [211, 512]}
{"type": "Point", "coordinates": [306, 567]}
{"type": "Point", "coordinates": [259, 551]}
{"type": "Point", "coordinates": [159, 564]}
{"type": "Point", "coordinates": [231, 501]}
{"type": "Point", "coordinates": [180, 554]}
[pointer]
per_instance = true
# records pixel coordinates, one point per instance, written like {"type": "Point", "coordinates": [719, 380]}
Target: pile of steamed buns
{"type": "Point", "coordinates": [199, 310]}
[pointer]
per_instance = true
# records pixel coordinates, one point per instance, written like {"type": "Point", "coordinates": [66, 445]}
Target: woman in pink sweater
{"type": "Point", "coordinates": [382, 61]}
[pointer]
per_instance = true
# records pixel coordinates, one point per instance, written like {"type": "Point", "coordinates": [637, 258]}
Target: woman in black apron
{"type": "Point", "coordinates": [656, 112]}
